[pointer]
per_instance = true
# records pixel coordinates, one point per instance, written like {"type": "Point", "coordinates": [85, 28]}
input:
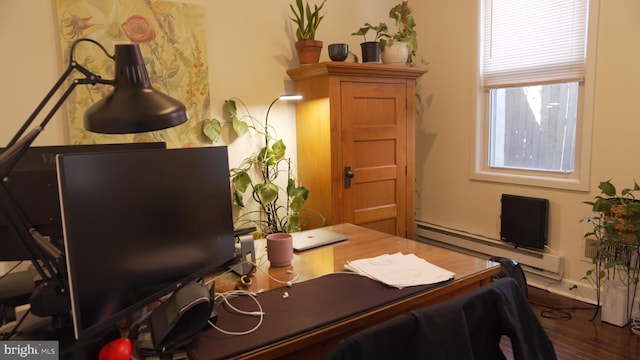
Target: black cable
{"type": "Point", "coordinates": [558, 313]}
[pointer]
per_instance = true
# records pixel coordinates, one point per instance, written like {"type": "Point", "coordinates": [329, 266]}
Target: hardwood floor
{"type": "Point", "coordinates": [573, 334]}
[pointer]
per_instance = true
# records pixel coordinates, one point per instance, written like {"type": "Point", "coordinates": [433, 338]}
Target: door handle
{"type": "Point", "coordinates": [348, 175]}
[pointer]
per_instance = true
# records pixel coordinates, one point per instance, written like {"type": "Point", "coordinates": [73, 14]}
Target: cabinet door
{"type": "Point", "coordinates": [374, 149]}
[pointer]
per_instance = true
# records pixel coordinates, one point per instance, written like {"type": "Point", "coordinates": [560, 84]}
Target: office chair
{"type": "Point", "coordinates": [468, 327]}
{"type": "Point", "coordinates": [511, 268]}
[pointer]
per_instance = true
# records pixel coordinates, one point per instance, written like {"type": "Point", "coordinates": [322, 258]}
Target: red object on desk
{"type": "Point", "coordinates": [118, 349]}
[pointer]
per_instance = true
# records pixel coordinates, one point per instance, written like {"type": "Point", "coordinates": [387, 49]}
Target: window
{"type": "Point", "coordinates": [533, 127]}
{"type": "Point", "coordinates": [533, 76]}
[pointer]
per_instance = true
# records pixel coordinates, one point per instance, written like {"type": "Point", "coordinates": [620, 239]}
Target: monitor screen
{"type": "Point", "coordinates": [140, 224]}
{"type": "Point", "coordinates": [33, 184]}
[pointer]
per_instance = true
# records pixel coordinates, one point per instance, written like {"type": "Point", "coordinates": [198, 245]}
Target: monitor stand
{"type": "Point", "coordinates": [59, 329]}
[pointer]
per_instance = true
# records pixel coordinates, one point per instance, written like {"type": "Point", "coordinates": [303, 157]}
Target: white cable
{"type": "Point", "coordinates": [229, 294]}
{"type": "Point", "coordinates": [286, 282]}
{"type": "Point", "coordinates": [234, 293]}
{"type": "Point", "coordinates": [225, 297]}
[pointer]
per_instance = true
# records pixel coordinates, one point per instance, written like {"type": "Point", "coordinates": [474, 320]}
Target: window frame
{"type": "Point", "coordinates": [578, 179]}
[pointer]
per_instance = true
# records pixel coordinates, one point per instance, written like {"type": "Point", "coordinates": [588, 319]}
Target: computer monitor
{"type": "Point", "coordinates": [33, 184]}
{"type": "Point", "coordinates": [139, 225]}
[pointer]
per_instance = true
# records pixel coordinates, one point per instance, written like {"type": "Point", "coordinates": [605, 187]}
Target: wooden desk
{"type": "Point", "coordinates": [470, 273]}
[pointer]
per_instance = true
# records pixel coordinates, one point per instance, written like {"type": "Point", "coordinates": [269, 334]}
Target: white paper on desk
{"type": "Point", "coordinates": [400, 270]}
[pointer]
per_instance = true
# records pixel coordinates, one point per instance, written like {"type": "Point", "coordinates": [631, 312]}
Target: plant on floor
{"type": "Point", "coordinates": [615, 236]}
{"type": "Point", "coordinates": [280, 201]}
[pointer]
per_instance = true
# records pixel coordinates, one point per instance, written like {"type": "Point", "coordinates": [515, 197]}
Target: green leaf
{"type": "Point", "coordinates": [266, 157]}
{"type": "Point", "coordinates": [238, 199]}
{"type": "Point", "coordinates": [361, 32]}
{"type": "Point", "coordinates": [607, 188]}
{"type": "Point", "coordinates": [239, 127]}
{"type": "Point", "coordinates": [297, 203]}
{"type": "Point", "coordinates": [301, 191]}
{"type": "Point", "coordinates": [267, 192]}
{"type": "Point", "coordinates": [278, 149]}
{"type": "Point", "coordinates": [230, 108]}
{"type": "Point", "coordinates": [291, 186]}
{"type": "Point", "coordinates": [601, 205]}
{"type": "Point", "coordinates": [241, 181]}
{"type": "Point", "coordinates": [211, 128]}
{"type": "Point", "coordinates": [295, 222]}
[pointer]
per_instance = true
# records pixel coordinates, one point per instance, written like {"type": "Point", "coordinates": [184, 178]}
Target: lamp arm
{"type": "Point", "coordinates": [266, 132]}
{"type": "Point", "coordinates": [40, 106]}
{"type": "Point", "coordinates": [266, 123]}
{"type": "Point", "coordinates": [17, 225]}
{"type": "Point", "coordinates": [266, 118]}
{"type": "Point", "coordinates": [90, 78]}
{"type": "Point", "coordinates": [43, 254]}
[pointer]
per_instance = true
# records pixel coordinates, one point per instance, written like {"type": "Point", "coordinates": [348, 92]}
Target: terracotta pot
{"type": "Point", "coordinates": [309, 51]}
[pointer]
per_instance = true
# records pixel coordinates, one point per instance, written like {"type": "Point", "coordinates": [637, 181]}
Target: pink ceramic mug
{"type": "Point", "coordinates": [280, 249]}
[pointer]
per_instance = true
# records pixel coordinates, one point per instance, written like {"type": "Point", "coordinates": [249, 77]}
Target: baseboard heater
{"type": "Point", "coordinates": [535, 262]}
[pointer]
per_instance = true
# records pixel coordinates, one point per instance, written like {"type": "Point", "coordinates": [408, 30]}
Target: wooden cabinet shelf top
{"type": "Point", "coordinates": [355, 69]}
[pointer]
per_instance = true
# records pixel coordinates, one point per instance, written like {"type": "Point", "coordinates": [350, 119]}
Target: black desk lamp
{"type": "Point", "coordinates": [134, 106]}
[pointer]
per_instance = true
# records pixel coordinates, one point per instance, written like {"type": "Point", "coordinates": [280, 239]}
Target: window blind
{"type": "Point", "coordinates": [533, 42]}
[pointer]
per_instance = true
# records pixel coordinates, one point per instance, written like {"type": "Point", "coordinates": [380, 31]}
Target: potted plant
{"type": "Point", "coordinates": [400, 47]}
{"type": "Point", "coordinates": [307, 21]}
{"type": "Point", "coordinates": [371, 49]}
{"type": "Point", "coordinates": [280, 201]}
{"type": "Point", "coordinates": [616, 236]}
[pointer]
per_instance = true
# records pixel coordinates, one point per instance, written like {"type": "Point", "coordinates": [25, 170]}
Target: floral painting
{"type": "Point", "coordinates": [171, 36]}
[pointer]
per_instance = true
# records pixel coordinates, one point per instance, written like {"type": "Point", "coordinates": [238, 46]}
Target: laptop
{"type": "Point", "coordinates": [309, 239]}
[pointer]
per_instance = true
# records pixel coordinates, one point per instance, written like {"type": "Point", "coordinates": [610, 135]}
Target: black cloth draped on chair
{"type": "Point", "coordinates": [468, 327]}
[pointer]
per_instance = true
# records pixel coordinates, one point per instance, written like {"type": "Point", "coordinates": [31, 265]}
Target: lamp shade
{"type": "Point", "coordinates": [134, 106]}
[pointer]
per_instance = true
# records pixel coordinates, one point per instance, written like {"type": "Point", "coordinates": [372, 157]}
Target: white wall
{"type": "Point", "coordinates": [449, 198]}
{"type": "Point", "coordinates": [30, 64]}
{"type": "Point", "coordinates": [250, 47]}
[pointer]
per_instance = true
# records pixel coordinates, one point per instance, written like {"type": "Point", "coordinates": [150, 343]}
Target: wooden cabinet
{"type": "Point", "coordinates": [356, 143]}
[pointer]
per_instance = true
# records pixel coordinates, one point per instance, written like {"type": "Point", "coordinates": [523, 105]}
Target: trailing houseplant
{"type": "Point", "coordinates": [266, 173]}
{"type": "Point", "coordinates": [307, 22]}
{"type": "Point", "coordinates": [405, 38]}
{"type": "Point", "coordinates": [616, 237]}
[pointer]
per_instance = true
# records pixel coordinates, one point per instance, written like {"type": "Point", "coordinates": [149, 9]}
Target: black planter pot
{"type": "Point", "coordinates": [370, 51]}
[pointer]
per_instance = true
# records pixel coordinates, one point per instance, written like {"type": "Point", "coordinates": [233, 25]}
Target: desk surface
{"type": "Point", "coordinates": [470, 273]}
{"type": "Point", "coordinates": [362, 243]}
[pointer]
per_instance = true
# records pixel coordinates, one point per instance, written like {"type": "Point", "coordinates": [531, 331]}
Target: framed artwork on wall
{"type": "Point", "coordinates": [172, 39]}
